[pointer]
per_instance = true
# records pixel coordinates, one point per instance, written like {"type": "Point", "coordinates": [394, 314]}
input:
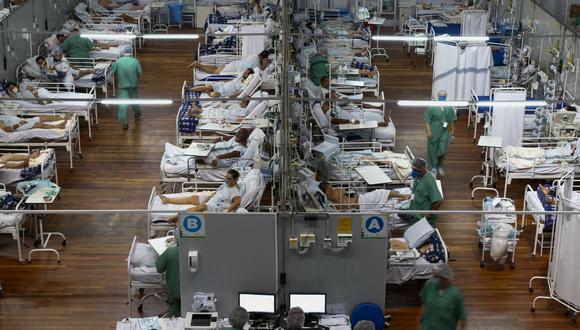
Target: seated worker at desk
{"type": "Point", "coordinates": [225, 153]}
{"type": "Point", "coordinates": [238, 318]}
{"type": "Point", "coordinates": [367, 201]}
{"type": "Point", "coordinates": [10, 123]}
{"type": "Point", "coordinates": [17, 161]}
{"type": "Point", "coordinates": [168, 263]}
{"type": "Point", "coordinates": [261, 61]}
{"type": "Point", "coordinates": [232, 88]}
{"type": "Point", "coordinates": [295, 319]}
{"type": "Point", "coordinates": [226, 199]}
{"type": "Point", "coordinates": [426, 195]}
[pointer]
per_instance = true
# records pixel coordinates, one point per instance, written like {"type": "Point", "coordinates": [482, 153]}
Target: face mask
{"type": "Point", "coordinates": [442, 98]}
{"type": "Point", "coordinates": [14, 90]}
{"type": "Point", "coordinates": [415, 174]}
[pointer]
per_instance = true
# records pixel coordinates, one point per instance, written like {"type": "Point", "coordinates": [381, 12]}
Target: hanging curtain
{"type": "Point", "coordinates": [565, 266]}
{"type": "Point", "coordinates": [508, 120]}
{"type": "Point", "coordinates": [254, 44]}
{"type": "Point", "coordinates": [459, 70]}
{"type": "Point", "coordinates": [474, 23]}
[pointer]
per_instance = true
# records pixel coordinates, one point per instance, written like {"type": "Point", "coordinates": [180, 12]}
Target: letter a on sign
{"type": "Point", "coordinates": [373, 226]}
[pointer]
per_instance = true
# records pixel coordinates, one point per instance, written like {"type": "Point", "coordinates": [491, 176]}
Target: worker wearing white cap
{"type": "Point", "coordinates": [443, 307]}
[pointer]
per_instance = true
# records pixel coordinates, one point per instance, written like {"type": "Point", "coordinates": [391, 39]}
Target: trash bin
{"type": "Point", "coordinates": [175, 10]}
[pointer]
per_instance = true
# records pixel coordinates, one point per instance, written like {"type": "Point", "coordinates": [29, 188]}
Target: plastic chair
{"type": "Point", "coordinates": [369, 312]}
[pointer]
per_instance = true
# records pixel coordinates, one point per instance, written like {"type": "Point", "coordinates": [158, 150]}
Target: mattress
{"type": "Point", "coordinates": [401, 273]}
{"type": "Point", "coordinates": [145, 274]}
{"type": "Point", "coordinates": [164, 217]}
{"type": "Point", "coordinates": [35, 133]}
{"type": "Point", "coordinates": [86, 80]}
{"type": "Point", "coordinates": [10, 220]}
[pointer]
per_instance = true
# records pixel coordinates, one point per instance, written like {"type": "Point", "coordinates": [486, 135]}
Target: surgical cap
{"type": "Point", "coordinates": [443, 270]}
{"type": "Point", "coordinates": [364, 325]}
{"type": "Point", "coordinates": [239, 317]}
{"type": "Point", "coordinates": [295, 318]}
{"type": "Point", "coordinates": [419, 163]}
{"type": "Point", "coordinates": [126, 50]}
{"type": "Point", "coordinates": [56, 51]}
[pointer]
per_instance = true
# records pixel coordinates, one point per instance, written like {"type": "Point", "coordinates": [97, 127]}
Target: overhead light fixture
{"type": "Point", "coordinates": [400, 38]}
{"type": "Point", "coordinates": [433, 103]}
{"type": "Point", "coordinates": [108, 36]}
{"type": "Point", "coordinates": [137, 101]}
{"type": "Point", "coordinates": [512, 103]}
{"type": "Point", "coordinates": [460, 39]}
{"type": "Point", "coordinates": [171, 36]}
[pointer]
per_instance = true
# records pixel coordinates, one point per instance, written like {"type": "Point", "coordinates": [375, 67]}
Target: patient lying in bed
{"type": "Point", "coordinates": [9, 124]}
{"type": "Point", "coordinates": [374, 200]}
{"type": "Point", "coordinates": [18, 161]}
{"type": "Point", "coordinates": [226, 199]}
{"type": "Point", "coordinates": [232, 88]}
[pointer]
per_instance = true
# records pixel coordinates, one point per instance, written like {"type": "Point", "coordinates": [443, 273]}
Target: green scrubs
{"type": "Point", "coordinates": [76, 46]}
{"type": "Point", "coordinates": [425, 193]}
{"type": "Point", "coordinates": [169, 262]}
{"type": "Point", "coordinates": [440, 120]}
{"type": "Point", "coordinates": [319, 68]}
{"type": "Point", "coordinates": [442, 310]}
{"type": "Point", "coordinates": [128, 70]}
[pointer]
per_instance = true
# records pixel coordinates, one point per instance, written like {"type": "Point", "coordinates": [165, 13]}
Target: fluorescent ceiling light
{"type": "Point", "coordinates": [512, 103]}
{"type": "Point", "coordinates": [460, 39]}
{"type": "Point", "coordinates": [171, 36]}
{"type": "Point", "coordinates": [433, 103]}
{"type": "Point", "coordinates": [400, 38]}
{"type": "Point", "coordinates": [108, 36]}
{"type": "Point", "coordinates": [137, 101]}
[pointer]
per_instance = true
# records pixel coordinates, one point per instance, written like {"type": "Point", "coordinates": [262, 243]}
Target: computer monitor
{"type": "Point", "coordinates": [313, 303]}
{"type": "Point", "coordinates": [257, 302]}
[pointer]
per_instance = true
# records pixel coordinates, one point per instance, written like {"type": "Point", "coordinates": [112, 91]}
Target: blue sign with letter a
{"type": "Point", "coordinates": [373, 227]}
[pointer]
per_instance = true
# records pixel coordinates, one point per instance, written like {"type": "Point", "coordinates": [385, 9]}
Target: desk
{"type": "Point", "coordinates": [354, 83]}
{"type": "Point", "coordinates": [489, 143]}
{"type": "Point", "coordinates": [366, 125]}
{"type": "Point", "coordinates": [199, 149]}
{"type": "Point", "coordinates": [226, 128]}
{"type": "Point", "coordinates": [44, 196]}
{"type": "Point", "coordinates": [373, 175]}
{"type": "Point", "coordinates": [378, 51]}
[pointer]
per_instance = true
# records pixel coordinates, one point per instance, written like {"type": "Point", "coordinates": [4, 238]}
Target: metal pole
{"type": "Point", "coordinates": [284, 183]}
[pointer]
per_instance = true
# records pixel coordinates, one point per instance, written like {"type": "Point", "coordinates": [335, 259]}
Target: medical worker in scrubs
{"type": "Point", "coordinates": [439, 124]}
{"type": "Point", "coordinates": [168, 263]}
{"type": "Point", "coordinates": [128, 70]}
{"type": "Point", "coordinates": [443, 307]}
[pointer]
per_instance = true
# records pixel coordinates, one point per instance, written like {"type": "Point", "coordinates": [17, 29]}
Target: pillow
{"type": "Point", "coordinates": [418, 233]}
{"type": "Point", "coordinates": [144, 255]}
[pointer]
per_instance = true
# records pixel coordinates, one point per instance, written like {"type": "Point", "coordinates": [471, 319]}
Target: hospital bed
{"type": "Point", "coordinates": [177, 167]}
{"type": "Point", "coordinates": [412, 256]}
{"type": "Point", "coordinates": [252, 184]}
{"type": "Point", "coordinates": [186, 126]}
{"type": "Point", "coordinates": [102, 78]}
{"type": "Point", "coordinates": [143, 17]}
{"type": "Point", "coordinates": [142, 274]}
{"type": "Point", "coordinates": [79, 103]}
{"type": "Point", "coordinates": [536, 158]}
{"type": "Point", "coordinates": [42, 168]}
{"type": "Point", "coordinates": [11, 223]}
{"type": "Point", "coordinates": [368, 86]}
{"type": "Point", "coordinates": [536, 201]}
{"type": "Point", "coordinates": [68, 137]}
{"type": "Point", "coordinates": [350, 155]}
{"type": "Point", "coordinates": [490, 224]}
{"type": "Point", "coordinates": [476, 112]}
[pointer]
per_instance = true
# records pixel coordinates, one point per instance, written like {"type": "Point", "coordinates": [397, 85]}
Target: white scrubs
{"type": "Point", "coordinates": [222, 200]}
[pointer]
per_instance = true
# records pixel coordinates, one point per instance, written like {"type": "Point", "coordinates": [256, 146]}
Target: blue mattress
{"type": "Point", "coordinates": [529, 109]}
{"type": "Point", "coordinates": [452, 29]}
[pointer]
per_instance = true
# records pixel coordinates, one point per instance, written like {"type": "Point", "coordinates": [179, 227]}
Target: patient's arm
{"type": "Point", "coordinates": [235, 204]}
{"type": "Point", "coordinates": [233, 154]}
{"type": "Point", "coordinates": [399, 196]}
